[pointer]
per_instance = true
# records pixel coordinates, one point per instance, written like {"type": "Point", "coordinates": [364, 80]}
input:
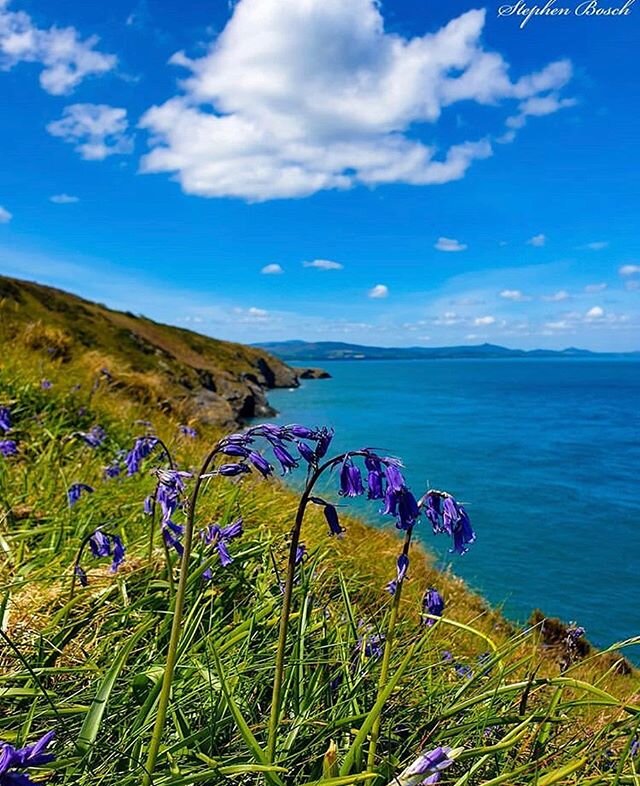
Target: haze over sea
{"type": "Point", "coordinates": [544, 453]}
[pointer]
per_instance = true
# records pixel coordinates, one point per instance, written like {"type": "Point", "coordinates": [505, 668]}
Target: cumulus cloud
{"type": "Point", "coordinates": [272, 270]}
{"type": "Point", "coordinates": [96, 130]}
{"type": "Point", "coordinates": [63, 199]}
{"type": "Point", "coordinates": [449, 244]}
{"type": "Point", "coordinates": [597, 312]}
{"type": "Point", "coordinates": [5, 215]}
{"type": "Point", "coordinates": [379, 291]}
{"type": "Point", "coordinates": [537, 240]}
{"type": "Point", "coordinates": [629, 270]}
{"type": "Point", "coordinates": [296, 97]}
{"type": "Point", "coordinates": [558, 296]}
{"type": "Point", "coordinates": [514, 294]}
{"type": "Point", "coordinates": [488, 320]}
{"type": "Point", "coordinates": [324, 264]}
{"type": "Point", "coordinates": [539, 106]}
{"type": "Point", "coordinates": [66, 58]}
{"type": "Point", "coordinates": [591, 289]}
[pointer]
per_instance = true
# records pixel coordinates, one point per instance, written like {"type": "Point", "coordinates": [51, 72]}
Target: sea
{"type": "Point", "coordinates": [545, 455]}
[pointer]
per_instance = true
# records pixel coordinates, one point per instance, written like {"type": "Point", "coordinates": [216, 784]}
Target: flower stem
{"type": "Point", "coordinates": [386, 658]}
{"type": "Point", "coordinates": [176, 625]}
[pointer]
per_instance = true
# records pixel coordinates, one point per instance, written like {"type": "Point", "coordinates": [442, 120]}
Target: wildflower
{"type": "Point", "coordinates": [375, 483]}
{"type": "Point", "coordinates": [307, 453]}
{"type": "Point", "coordinates": [350, 480]}
{"type": "Point", "coordinates": [118, 552]}
{"type": "Point", "coordinates": [302, 432]}
{"type": "Point", "coordinates": [432, 603]}
{"type": "Point", "coordinates": [46, 384]}
{"type": "Point", "coordinates": [219, 537]}
{"type": "Point", "coordinates": [287, 462]}
{"type": "Point", "coordinates": [188, 431]}
{"type": "Point", "coordinates": [13, 759]}
{"type": "Point", "coordinates": [5, 419]}
{"type": "Point", "coordinates": [170, 487]}
{"type": "Point", "coordinates": [8, 447]}
{"type": "Point", "coordinates": [230, 470]}
{"type": "Point", "coordinates": [81, 576]}
{"type": "Point", "coordinates": [330, 514]}
{"type": "Point", "coordinates": [301, 554]}
{"type": "Point", "coordinates": [260, 463]}
{"type": "Point", "coordinates": [447, 657]}
{"type": "Point", "coordinates": [234, 450]}
{"type": "Point", "coordinates": [448, 516]}
{"type": "Point", "coordinates": [634, 748]}
{"type": "Point", "coordinates": [402, 567]}
{"type": "Point", "coordinates": [408, 510]}
{"type": "Point", "coordinates": [100, 544]}
{"type": "Point", "coordinates": [75, 492]}
{"type": "Point", "coordinates": [142, 448]}
{"type": "Point", "coordinates": [103, 544]}
{"type": "Point", "coordinates": [147, 505]}
{"type": "Point", "coordinates": [323, 440]}
{"type": "Point", "coordinates": [93, 438]}
{"type": "Point", "coordinates": [425, 766]}
{"type": "Point", "coordinates": [463, 671]}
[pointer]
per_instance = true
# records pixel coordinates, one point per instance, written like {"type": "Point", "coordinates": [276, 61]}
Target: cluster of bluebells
{"type": "Point", "coordinates": [427, 768]}
{"type": "Point", "coordinates": [433, 604]}
{"type": "Point", "coordinates": [448, 516]}
{"type": "Point", "coordinates": [93, 438]}
{"type": "Point", "coordinates": [102, 544]}
{"type": "Point", "coordinates": [169, 493]}
{"type": "Point", "coordinates": [76, 491]}
{"type": "Point", "coordinates": [8, 447]}
{"type": "Point", "coordinates": [218, 537]}
{"type": "Point", "coordinates": [15, 761]}
{"type": "Point", "coordinates": [289, 445]}
{"type": "Point", "coordinates": [142, 449]}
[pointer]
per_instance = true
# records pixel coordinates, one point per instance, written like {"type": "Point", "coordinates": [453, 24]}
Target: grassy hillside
{"type": "Point", "coordinates": [218, 382]}
{"type": "Point", "coordinates": [367, 685]}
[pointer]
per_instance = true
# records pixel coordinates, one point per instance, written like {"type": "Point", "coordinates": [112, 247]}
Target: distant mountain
{"type": "Point", "coordinates": [337, 350]}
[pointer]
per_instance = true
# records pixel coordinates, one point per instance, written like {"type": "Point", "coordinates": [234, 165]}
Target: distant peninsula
{"type": "Point", "coordinates": [336, 350]}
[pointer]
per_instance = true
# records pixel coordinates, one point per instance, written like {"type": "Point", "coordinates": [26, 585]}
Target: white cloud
{"type": "Point", "coordinates": [591, 289]}
{"type": "Point", "coordinates": [379, 291]}
{"type": "Point", "coordinates": [597, 245]}
{"type": "Point", "coordinates": [298, 97]}
{"type": "Point", "coordinates": [514, 294]}
{"type": "Point", "coordinates": [488, 320]}
{"type": "Point", "coordinates": [537, 240]}
{"type": "Point", "coordinates": [324, 264]}
{"type": "Point", "coordinates": [65, 57]}
{"type": "Point", "coordinates": [561, 324]}
{"type": "Point", "coordinates": [597, 312]}
{"type": "Point", "coordinates": [5, 215]}
{"type": "Point", "coordinates": [63, 199]}
{"type": "Point", "coordinates": [558, 296]}
{"type": "Point", "coordinates": [449, 244]}
{"type": "Point", "coordinates": [96, 130]}
{"type": "Point", "coordinates": [539, 106]}
{"type": "Point", "coordinates": [629, 270]}
{"type": "Point", "coordinates": [272, 270]}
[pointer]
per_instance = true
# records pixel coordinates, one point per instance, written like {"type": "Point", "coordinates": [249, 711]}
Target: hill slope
{"type": "Point", "coordinates": [213, 381]}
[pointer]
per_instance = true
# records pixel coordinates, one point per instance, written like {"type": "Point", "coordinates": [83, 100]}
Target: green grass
{"type": "Point", "coordinates": [88, 661]}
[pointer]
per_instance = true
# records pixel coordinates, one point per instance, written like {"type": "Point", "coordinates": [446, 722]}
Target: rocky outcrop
{"type": "Point", "coordinates": [312, 373]}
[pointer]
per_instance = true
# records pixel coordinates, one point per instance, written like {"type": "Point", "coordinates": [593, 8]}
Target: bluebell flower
{"type": "Point", "coordinates": [307, 453]}
{"type": "Point", "coordinates": [100, 544]}
{"type": "Point", "coordinates": [425, 766]}
{"type": "Point", "coordinates": [302, 432]}
{"type": "Point", "coordinates": [118, 553]}
{"type": "Point", "coordinates": [219, 537]}
{"type": "Point", "coordinates": [46, 384]}
{"type": "Point", "coordinates": [5, 419]}
{"type": "Point", "coordinates": [323, 440]}
{"type": "Point", "coordinates": [401, 571]}
{"type": "Point", "coordinates": [375, 477]}
{"type": "Point", "coordinates": [81, 575]}
{"type": "Point", "coordinates": [147, 505]}
{"type": "Point", "coordinates": [447, 515]}
{"type": "Point", "coordinates": [447, 657]}
{"type": "Point", "coordinates": [350, 479]}
{"type": "Point", "coordinates": [371, 645]}
{"type": "Point", "coordinates": [408, 510]}
{"type": "Point", "coordinates": [112, 470]}
{"type": "Point", "coordinates": [142, 449]}
{"type": "Point", "coordinates": [232, 449]}
{"type": "Point", "coordinates": [260, 463]}
{"type": "Point", "coordinates": [287, 461]}
{"type": "Point", "coordinates": [171, 540]}
{"type": "Point", "coordinates": [635, 747]}
{"type": "Point", "coordinates": [395, 478]}
{"type": "Point", "coordinates": [14, 759]}
{"type": "Point", "coordinates": [231, 470]}
{"type": "Point", "coordinates": [330, 514]}
{"type": "Point", "coordinates": [463, 670]}
{"type": "Point", "coordinates": [432, 603]}
{"type": "Point", "coordinates": [75, 492]}
{"type": "Point", "coordinates": [188, 431]}
{"type": "Point", "coordinates": [301, 554]}
{"type": "Point", "coordinates": [8, 447]}
{"type": "Point", "coordinates": [93, 438]}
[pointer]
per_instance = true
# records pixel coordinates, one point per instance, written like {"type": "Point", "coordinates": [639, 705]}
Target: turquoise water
{"type": "Point", "coordinates": [545, 454]}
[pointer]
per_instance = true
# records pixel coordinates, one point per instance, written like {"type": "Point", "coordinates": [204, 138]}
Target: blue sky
{"type": "Point", "coordinates": [398, 174]}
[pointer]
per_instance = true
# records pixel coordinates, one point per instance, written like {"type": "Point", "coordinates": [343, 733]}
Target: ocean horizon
{"type": "Point", "coordinates": [544, 454]}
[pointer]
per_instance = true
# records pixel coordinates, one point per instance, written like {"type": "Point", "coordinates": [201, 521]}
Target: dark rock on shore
{"type": "Point", "coordinates": [312, 373]}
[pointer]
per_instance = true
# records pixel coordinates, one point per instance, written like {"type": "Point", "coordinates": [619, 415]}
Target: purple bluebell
{"type": "Point", "coordinates": [148, 504]}
{"type": "Point", "coordinates": [286, 460]}
{"type": "Point", "coordinates": [330, 514]}
{"type": "Point", "coordinates": [462, 670]}
{"type": "Point", "coordinates": [118, 553]}
{"type": "Point", "coordinates": [5, 419]}
{"type": "Point", "coordinates": [231, 470]}
{"type": "Point", "coordinates": [408, 510]}
{"type": "Point", "coordinates": [302, 432]}
{"type": "Point", "coordinates": [219, 537]}
{"type": "Point", "coordinates": [371, 645]}
{"type": "Point", "coordinates": [301, 554]}
{"type": "Point", "coordinates": [142, 449]}
{"type": "Point", "coordinates": [12, 760]}
{"type": "Point", "coordinates": [171, 485]}
{"type": "Point", "coordinates": [634, 749]}
{"type": "Point", "coordinates": [234, 450]}
{"type": "Point", "coordinates": [171, 540]}
{"type": "Point", "coordinates": [100, 544]}
{"type": "Point", "coordinates": [81, 575]}
{"type": "Point", "coordinates": [93, 438]}
{"type": "Point", "coordinates": [395, 478]}
{"type": "Point", "coordinates": [401, 571]}
{"type": "Point", "coordinates": [434, 510]}
{"type": "Point", "coordinates": [323, 440]}
{"type": "Point", "coordinates": [307, 453]}
{"type": "Point", "coordinates": [46, 384]}
{"type": "Point", "coordinates": [8, 447]}
{"type": "Point", "coordinates": [350, 479]}
{"type": "Point", "coordinates": [103, 544]}
{"type": "Point", "coordinates": [260, 463]}
{"type": "Point", "coordinates": [375, 477]}
{"type": "Point", "coordinates": [425, 766]}
{"type": "Point", "coordinates": [447, 515]}
{"type": "Point", "coordinates": [112, 470]}
{"type": "Point", "coordinates": [188, 431]}
{"type": "Point", "coordinates": [432, 603]}
{"type": "Point", "coordinates": [76, 491]}
{"type": "Point", "coordinates": [447, 656]}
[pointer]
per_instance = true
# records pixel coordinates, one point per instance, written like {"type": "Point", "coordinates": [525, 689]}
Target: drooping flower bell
{"type": "Point", "coordinates": [218, 537]}
{"type": "Point", "coordinates": [142, 449]}
{"type": "Point", "coordinates": [401, 572]}
{"type": "Point", "coordinates": [425, 766]}
{"type": "Point", "coordinates": [188, 431]}
{"type": "Point", "coordinates": [350, 479]}
{"type": "Point", "coordinates": [8, 447]}
{"type": "Point", "coordinates": [14, 761]}
{"type": "Point", "coordinates": [76, 491]}
{"type": "Point", "coordinates": [447, 515]}
{"type": "Point", "coordinates": [330, 514]}
{"type": "Point", "coordinates": [93, 438]}
{"type": "Point", "coordinates": [432, 603]}
{"type": "Point", "coordinates": [5, 419]}
{"type": "Point", "coordinates": [104, 544]}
